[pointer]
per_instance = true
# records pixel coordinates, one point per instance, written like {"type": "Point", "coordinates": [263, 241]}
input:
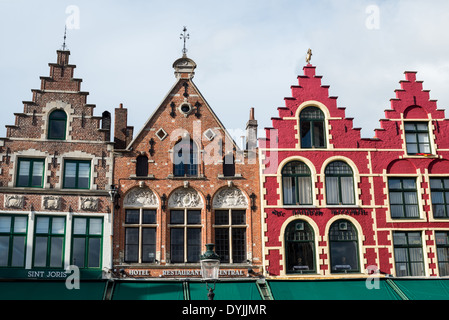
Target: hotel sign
{"type": "Point", "coordinates": [182, 273]}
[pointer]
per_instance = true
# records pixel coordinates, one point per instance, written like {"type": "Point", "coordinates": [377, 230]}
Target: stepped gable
{"type": "Point", "coordinates": [310, 92]}
{"type": "Point", "coordinates": [412, 103]}
{"type": "Point", "coordinates": [59, 90]}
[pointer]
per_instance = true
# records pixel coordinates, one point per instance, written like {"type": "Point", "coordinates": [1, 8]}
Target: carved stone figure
{"type": "Point", "coordinates": [51, 202]}
{"type": "Point", "coordinates": [89, 204]}
{"type": "Point", "coordinates": [143, 197]}
{"type": "Point", "coordinates": [230, 198]}
{"type": "Point", "coordinates": [14, 201]}
{"type": "Point", "coordinates": [185, 198]}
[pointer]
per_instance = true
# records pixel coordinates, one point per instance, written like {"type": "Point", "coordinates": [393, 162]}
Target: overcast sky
{"type": "Point", "coordinates": [248, 52]}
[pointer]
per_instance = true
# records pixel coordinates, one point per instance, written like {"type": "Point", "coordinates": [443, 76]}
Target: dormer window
{"type": "Point", "coordinates": [417, 138]}
{"type": "Point", "coordinates": [312, 128]}
{"type": "Point", "coordinates": [57, 123]}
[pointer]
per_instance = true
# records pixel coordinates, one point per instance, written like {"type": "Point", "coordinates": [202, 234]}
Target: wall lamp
{"type": "Point", "coordinates": [208, 206]}
{"type": "Point", "coordinates": [164, 202]}
{"type": "Point", "coordinates": [253, 201]}
{"type": "Point", "coordinates": [115, 196]}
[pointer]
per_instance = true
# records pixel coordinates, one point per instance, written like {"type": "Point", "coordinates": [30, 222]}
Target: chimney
{"type": "Point", "coordinates": [251, 132]}
{"type": "Point", "coordinates": [121, 129]}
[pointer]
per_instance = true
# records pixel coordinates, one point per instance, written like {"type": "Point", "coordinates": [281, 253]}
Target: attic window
{"type": "Point", "coordinates": [161, 134]}
{"type": "Point", "coordinates": [185, 108]}
{"type": "Point", "coordinates": [209, 134]}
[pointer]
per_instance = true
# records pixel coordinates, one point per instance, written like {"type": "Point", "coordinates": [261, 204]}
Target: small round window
{"type": "Point", "coordinates": [185, 108]}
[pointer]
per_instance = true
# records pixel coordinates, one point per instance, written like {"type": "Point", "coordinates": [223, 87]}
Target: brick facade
{"type": "Point", "coordinates": [56, 131]}
{"type": "Point", "coordinates": [147, 180]}
{"type": "Point", "coordinates": [381, 188]}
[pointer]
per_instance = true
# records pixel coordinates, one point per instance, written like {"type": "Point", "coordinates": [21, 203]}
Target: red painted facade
{"type": "Point", "coordinates": [388, 190]}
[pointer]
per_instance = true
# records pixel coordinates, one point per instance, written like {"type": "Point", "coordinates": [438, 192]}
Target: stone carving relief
{"type": "Point", "coordinates": [141, 197]}
{"type": "Point", "coordinates": [230, 198]}
{"type": "Point", "coordinates": [51, 202]}
{"type": "Point", "coordinates": [185, 198]}
{"type": "Point", "coordinates": [14, 201]}
{"type": "Point", "coordinates": [89, 203]}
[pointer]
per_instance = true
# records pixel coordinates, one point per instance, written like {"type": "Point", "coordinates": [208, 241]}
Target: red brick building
{"type": "Point", "coordinates": [55, 174]}
{"type": "Point", "coordinates": [183, 182]}
{"type": "Point", "coordinates": [337, 205]}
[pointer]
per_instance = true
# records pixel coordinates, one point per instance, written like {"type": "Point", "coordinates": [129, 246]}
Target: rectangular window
{"type": "Point", "coordinates": [408, 254]}
{"type": "Point", "coordinates": [185, 235]}
{"type": "Point", "coordinates": [442, 242]}
{"type": "Point", "coordinates": [13, 231]}
{"type": "Point", "coordinates": [30, 173]}
{"type": "Point", "coordinates": [403, 198]}
{"type": "Point", "coordinates": [417, 138]}
{"type": "Point", "coordinates": [49, 242]}
{"type": "Point", "coordinates": [140, 235]}
{"type": "Point", "coordinates": [230, 235]}
{"type": "Point", "coordinates": [439, 189]}
{"type": "Point", "coordinates": [76, 174]}
{"type": "Point", "coordinates": [87, 242]}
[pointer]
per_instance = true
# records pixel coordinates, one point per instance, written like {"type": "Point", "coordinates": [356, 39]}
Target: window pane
{"type": "Point", "coordinates": [79, 226]}
{"type": "Point", "coordinates": [149, 217]}
{"type": "Point", "coordinates": [132, 216]}
{"type": "Point", "coordinates": [238, 217]}
{"type": "Point", "coordinates": [148, 244]}
{"type": "Point", "coordinates": [436, 184]}
{"type": "Point", "coordinates": [347, 190]}
{"type": "Point", "coordinates": [20, 224]}
{"type": "Point", "coordinates": [5, 224]}
{"type": "Point", "coordinates": [24, 173]}
{"type": "Point", "coordinates": [58, 225]}
{"type": "Point", "coordinates": [306, 135]}
{"type": "Point", "coordinates": [193, 244]}
{"type": "Point", "coordinates": [96, 226]}
{"type": "Point", "coordinates": [410, 138]}
{"type": "Point", "coordinates": [305, 190]}
{"type": "Point", "coordinates": [83, 175]}
{"type": "Point", "coordinates": [18, 252]}
{"type": "Point", "coordinates": [332, 190]}
{"type": "Point", "coordinates": [221, 217]}
{"type": "Point", "coordinates": [4, 250]}
{"type": "Point", "coordinates": [300, 256]}
{"type": "Point", "coordinates": [42, 224]}
{"type": "Point", "coordinates": [131, 244]}
{"type": "Point", "coordinates": [421, 126]}
{"type": "Point", "coordinates": [222, 244]}
{"type": "Point", "coordinates": [94, 252]}
{"type": "Point", "coordinates": [437, 197]}
{"type": "Point", "coordinates": [289, 190]}
{"type": "Point", "coordinates": [177, 216]}
{"type": "Point", "coordinates": [238, 245]}
{"type": "Point", "coordinates": [40, 251]}
{"type": "Point", "coordinates": [318, 134]}
{"type": "Point", "coordinates": [409, 183]}
{"type": "Point", "coordinates": [78, 253]}
{"type": "Point", "coordinates": [394, 183]}
{"type": "Point", "coordinates": [70, 175]}
{"type": "Point", "coordinates": [412, 148]}
{"type": "Point", "coordinates": [38, 170]}
{"type": "Point", "coordinates": [56, 251]}
{"type": "Point", "coordinates": [344, 256]}
{"type": "Point", "coordinates": [194, 217]}
{"type": "Point", "coordinates": [177, 245]}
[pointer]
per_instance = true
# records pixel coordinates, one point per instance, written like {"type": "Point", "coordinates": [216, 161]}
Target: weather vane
{"type": "Point", "coordinates": [309, 56]}
{"type": "Point", "coordinates": [65, 36]}
{"type": "Point", "coordinates": [185, 37]}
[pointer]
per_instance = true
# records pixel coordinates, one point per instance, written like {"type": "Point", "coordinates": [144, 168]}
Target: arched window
{"type": "Point", "coordinates": [343, 246]}
{"type": "Point", "coordinates": [312, 128]}
{"type": "Point", "coordinates": [297, 183]}
{"type": "Point", "coordinates": [185, 159]}
{"type": "Point", "coordinates": [299, 247]}
{"type": "Point", "coordinates": [228, 165]}
{"type": "Point", "coordinates": [339, 183]}
{"type": "Point", "coordinates": [57, 125]}
{"type": "Point", "coordinates": [142, 166]}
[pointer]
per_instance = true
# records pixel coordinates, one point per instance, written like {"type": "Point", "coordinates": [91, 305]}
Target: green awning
{"type": "Point", "coordinates": [233, 290]}
{"type": "Point", "coordinates": [331, 290]}
{"type": "Point", "coordinates": [424, 289]}
{"type": "Point", "coordinates": [148, 290]}
{"type": "Point", "coordinates": [51, 290]}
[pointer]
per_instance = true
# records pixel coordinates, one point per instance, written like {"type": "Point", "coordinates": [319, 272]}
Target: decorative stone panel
{"type": "Point", "coordinates": [141, 197]}
{"type": "Point", "coordinates": [185, 198]}
{"type": "Point", "coordinates": [230, 198]}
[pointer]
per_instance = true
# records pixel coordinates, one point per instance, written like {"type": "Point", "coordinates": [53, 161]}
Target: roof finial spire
{"type": "Point", "coordinates": [309, 56]}
{"type": "Point", "coordinates": [185, 37]}
{"type": "Point", "coordinates": [65, 36]}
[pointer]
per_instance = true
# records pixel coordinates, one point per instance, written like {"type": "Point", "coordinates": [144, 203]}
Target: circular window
{"type": "Point", "coordinates": [185, 108]}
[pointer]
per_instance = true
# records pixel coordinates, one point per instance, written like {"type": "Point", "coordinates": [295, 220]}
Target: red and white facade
{"type": "Point", "coordinates": [335, 204]}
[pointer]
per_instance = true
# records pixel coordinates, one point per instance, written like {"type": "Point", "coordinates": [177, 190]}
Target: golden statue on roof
{"type": "Point", "coordinates": [309, 56]}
